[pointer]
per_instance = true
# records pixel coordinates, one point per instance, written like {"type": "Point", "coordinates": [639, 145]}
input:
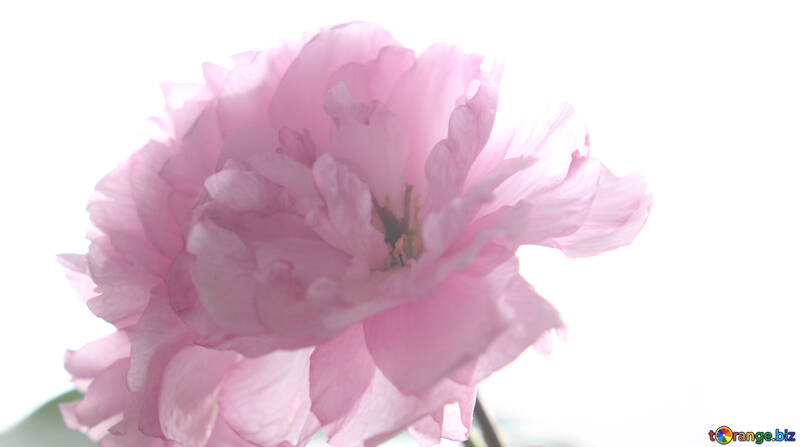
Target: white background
{"type": "Point", "coordinates": [693, 326]}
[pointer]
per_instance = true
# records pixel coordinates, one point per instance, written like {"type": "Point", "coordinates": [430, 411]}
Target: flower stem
{"type": "Point", "coordinates": [487, 426]}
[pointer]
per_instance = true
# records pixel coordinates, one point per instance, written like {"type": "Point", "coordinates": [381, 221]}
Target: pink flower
{"type": "Point", "coordinates": [325, 240]}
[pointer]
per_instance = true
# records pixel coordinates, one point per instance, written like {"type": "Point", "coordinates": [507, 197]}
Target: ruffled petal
{"type": "Point", "coordinates": [424, 97]}
{"type": "Point", "coordinates": [249, 87]}
{"type": "Point", "coordinates": [123, 290]}
{"type": "Point", "coordinates": [553, 140]}
{"type": "Point", "coordinates": [290, 174]}
{"type": "Point", "coordinates": [533, 318]}
{"type": "Point", "coordinates": [195, 157]}
{"type": "Point", "coordinates": [241, 191]}
{"type": "Point", "coordinates": [450, 160]}
{"type": "Point", "coordinates": [616, 215]}
{"type": "Point", "coordinates": [298, 100]}
{"type": "Point", "coordinates": [554, 212]}
{"type": "Point", "coordinates": [560, 210]}
{"type": "Point", "coordinates": [184, 103]}
{"type": "Point", "coordinates": [452, 238]}
{"type": "Point", "coordinates": [346, 221]}
{"type": "Point", "coordinates": [375, 79]}
{"type": "Point", "coordinates": [183, 299]}
{"type": "Point", "coordinates": [372, 142]}
{"type": "Point", "coordinates": [113, 211]}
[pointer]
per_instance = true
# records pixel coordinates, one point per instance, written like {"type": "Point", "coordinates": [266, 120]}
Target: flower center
{"type": "Point", "coordinates": [402, 236]}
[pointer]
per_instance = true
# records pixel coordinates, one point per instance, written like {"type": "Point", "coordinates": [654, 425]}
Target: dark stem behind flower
{"type": "Point", "coordinates": [489, 431]}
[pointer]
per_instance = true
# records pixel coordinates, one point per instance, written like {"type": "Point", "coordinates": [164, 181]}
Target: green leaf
{"type": "Point", "coordinates": [44, 428]}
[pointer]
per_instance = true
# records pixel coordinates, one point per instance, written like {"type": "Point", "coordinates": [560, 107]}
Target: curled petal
{"type": "Point", "coordinates": [450, 160]}
{"type": "Point", "coordinates": [554, 142]}
{"type": "Point", "coordinates": [616, 215]}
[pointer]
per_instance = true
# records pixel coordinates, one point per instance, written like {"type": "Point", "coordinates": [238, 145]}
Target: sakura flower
{"type": "Point", "coordinates": [324, 240]}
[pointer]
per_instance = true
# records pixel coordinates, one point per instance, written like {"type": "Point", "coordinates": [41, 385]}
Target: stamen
{"type": "Point", "coordinates": [402, 236]}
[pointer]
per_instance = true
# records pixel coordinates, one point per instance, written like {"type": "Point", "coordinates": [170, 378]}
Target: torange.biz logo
{"type": "Point", "coordinates": [725, 435]}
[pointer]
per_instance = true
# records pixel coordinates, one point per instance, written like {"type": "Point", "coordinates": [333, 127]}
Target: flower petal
{"type": "Point", "coordinates": [383, 411]}
{"type": "Point", "coordinates": [159, 335]}
{"type": "Point", "coordinates": [450, 160]}
{"type": "Point", "coordinates": [346, 222]}
{"type": "Point", "coordinates": [194, 158]}
{"type": "Point", "coordinates": [184, 103]}
{"type": "Point", "coordinates": [123, 290]}
{"type": "Point", "coordinates": [151, 195]}
{"type": "Point", "coordinates": [451, 238]}
{"type": "Point", "coordinates": [113, 212]}
{"type": "Point", "coordinates": [106, 396]}
{"type": "Point", "coordinates": [76, 268]}
{"type": "Point", "coordinates": [424, 97]}
{"type": "Point", "coordinates": [427, 431]}
{"type": "Point", "coordinates": [297, 102]}
{"type": "Point", "coordinates": [240, 190]}
{"type": "Point", "coordinates": [224, 436]}
{"type": "Point", "coordinates": [443, 332]}
{"type": "Point", "coordinates": [452, 421]}
{"type": "Point", "coordinates": [266, 400]}
{"type": "Point", "coordinates": [249, 88]}
{"type": "Point", "coordinates": [335, 385]}
{"type": "Point", "coordinates": [457, 417]}
{"type": "Point", "coordinates": [532, 319]}
{"type": "Point", "coordinates": [91, 359]}
{"type": "Point", "coordinates": [617, 214]}
{"type": "Point", "coordinates": [375, 79]}
{"type": "Point", "coordinates": [554, 142]}
{"type": "Point", "coordinates": [187, 406]}
{"type": "Point", "coordinates": [372, 142]}
{"type": "Point", "coordinates": [223, 274]}
{"type": "Point", "coordinates": [545, 214]}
